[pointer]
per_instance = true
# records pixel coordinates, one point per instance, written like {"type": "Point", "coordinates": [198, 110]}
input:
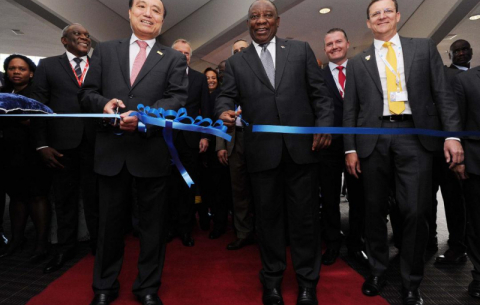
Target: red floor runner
{"type": "Point", "coordinates": [206, 274]}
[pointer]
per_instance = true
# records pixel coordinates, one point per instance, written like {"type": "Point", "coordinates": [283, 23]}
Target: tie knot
{"type": "Point", "coordinates": [387, 44]}
{"type": "Point", "coordinates": [77, 60]}
{"type": "Point", "coordinates": [340, 68]}
{"type": "Point", "coordinates": [264, 46]}
{"type": "Point", "coordinates": [142, 44]}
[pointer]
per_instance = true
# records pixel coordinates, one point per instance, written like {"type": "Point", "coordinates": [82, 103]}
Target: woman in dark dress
{"type": "Point", "coordinates": [23, 175]}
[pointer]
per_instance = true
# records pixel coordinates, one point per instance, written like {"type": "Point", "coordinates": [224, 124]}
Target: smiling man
{"type": "Point", "coordinates": [397, 83]}
{"type": "Point", "coordinates": [66, 145]}
{"type": "Point", "coordinates": [278, 82]}
{"type": "Point", "coordinates": [125, 73]}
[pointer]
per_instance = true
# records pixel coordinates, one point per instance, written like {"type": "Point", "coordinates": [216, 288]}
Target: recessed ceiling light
{"type": "Point", "coordinates": [18, 32]}
{"type": "Point", "coordinates": [325, 10]}
{"type": "Point", "coordinates": [474, 17]}
{"type": "Point", "coordinates": [450, 36]}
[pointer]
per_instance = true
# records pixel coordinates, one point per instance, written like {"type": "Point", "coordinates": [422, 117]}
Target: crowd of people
{"type": "Point", "coordinates": [281, 189]}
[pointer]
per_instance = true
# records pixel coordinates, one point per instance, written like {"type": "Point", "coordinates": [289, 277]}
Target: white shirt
{"type": "Point", "coordinates": [271, 48]}
{"type": "Point", "coordinates": [135, 48]}
{"type": "Point", "coordinates": [461, 68]}
{"type": "Point", "coordinates": [83, 63]}
{"type": "Point", "coordinates": [381, 51]}
{"type": "Point", "coordinates": [335, 72]}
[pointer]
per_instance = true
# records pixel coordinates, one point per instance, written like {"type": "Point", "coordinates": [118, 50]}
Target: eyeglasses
{"type": "Point", "coordinates": [268, 16]}
{"type": "Point", "coordinates": [386, 11]}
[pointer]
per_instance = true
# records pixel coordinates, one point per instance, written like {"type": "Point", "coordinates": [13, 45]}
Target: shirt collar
{"type": "Point", "coordinates": [333, 66]}
{"type": "Point", "coordinates": [70, 57]}
{"type": "Point", "coordinates": [379, 43]}
{"type": "Point", "coordinates": [272, 42]}
{"type": "Point", "coordinates": [150, 42]}
{"type": "Point", "coordinates": [461, 67]}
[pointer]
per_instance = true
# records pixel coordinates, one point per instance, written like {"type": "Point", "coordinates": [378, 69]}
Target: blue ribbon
{"type": "Point", "coordinates": [362, 130]}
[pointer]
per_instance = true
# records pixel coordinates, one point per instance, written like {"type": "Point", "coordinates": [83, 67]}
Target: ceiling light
{"type": "Point", "coordinates": [450, 36]}
{"type": "Point", "coordinates": [474, 17]}
{"type": "Point", "coordinates": [325, 10]}
{"type": "Point", "coordinates": [18, 32]}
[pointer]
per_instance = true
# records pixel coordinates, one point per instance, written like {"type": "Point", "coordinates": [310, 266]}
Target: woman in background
{"type": "Point", "coordinates": [24, 178]}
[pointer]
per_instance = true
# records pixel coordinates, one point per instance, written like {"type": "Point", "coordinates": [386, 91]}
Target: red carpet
{"type": "Point", "coordinates": [206, 274]}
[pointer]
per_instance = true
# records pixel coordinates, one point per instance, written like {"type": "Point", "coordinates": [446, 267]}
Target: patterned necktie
{"type": "Point", "coordinates": [139, 60]}
{"type": "Point", "coordinates": [78, 69]}
{"type": "Point", "coordinates": [396, 107]}
{"type": "Point", "coordinates": [267, 62]}
{"type": "Point", "coordinates": [341, 79]}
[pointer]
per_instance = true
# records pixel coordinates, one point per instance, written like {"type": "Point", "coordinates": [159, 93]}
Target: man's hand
{"type": "Point", "coordinates": [321, 141]}
{"type": "Point", "coordinates": [229, 117]}
{"type": "Point", "coordinates": [203, 146]}
{"type": "Point", "coordinates": [111, 106]}
{"type": "Point", "coordinates": [453, 152]}
{"type": "Point", "coordinates": [353, 164]}
{"type": "Point", "coordinates": [128, 123]}
{"type": "Point", "coordinates": [222, 156]}
{"type": "Point", "coordinates": [459, 171]}
{"type": "Point", "coordinates": [49, 157]}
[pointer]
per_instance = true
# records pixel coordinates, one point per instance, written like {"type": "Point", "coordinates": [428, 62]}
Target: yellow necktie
{"type": "Point", "coordinates": [395, 107]}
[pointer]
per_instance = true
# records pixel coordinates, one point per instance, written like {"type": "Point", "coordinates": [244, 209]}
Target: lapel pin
{"type": "Point", "coordinates": [159, 52]}
{"type": "Point", "coordinates": [367, 57]}
{"type": "Point", "coordinates": [283, 47]}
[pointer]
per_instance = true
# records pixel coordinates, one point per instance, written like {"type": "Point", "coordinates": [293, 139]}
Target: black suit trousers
{"type": "Point", "coordinates": [400, 160]}
{"type": "Point", "coordinates": [453, 200]}
{"type": "Point", "coordinates": [115, 194]}
{"type": "Point", "coordinates": [181, 197]}
{"type": "Point", "coordinates": [76, 176]}
{"type": "Point", "coordinates": [472, 199]}
{"type": "Point", "coordinates": [288, 193]}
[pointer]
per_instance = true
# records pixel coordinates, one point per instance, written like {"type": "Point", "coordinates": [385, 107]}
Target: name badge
{"type": "Point", "coordinates": [401, 96]}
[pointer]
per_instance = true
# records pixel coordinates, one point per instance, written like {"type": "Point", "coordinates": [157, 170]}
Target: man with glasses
{"type": "Point", "coordinates": [397, 83]}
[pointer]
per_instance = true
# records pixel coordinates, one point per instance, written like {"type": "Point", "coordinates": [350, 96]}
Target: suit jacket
{"type": "Point", "coordinates": [467, 90]}
{"type": "Point", "coordinates": [161, 83]}
{"type": "Point", "coordinates": [197, 104]}
{"type": "Point", "coordinates": [55, 85]}
{"type": "Point", "coordinates": [432, 103]}
{"type": "Point", "coordinates": [299, 98]}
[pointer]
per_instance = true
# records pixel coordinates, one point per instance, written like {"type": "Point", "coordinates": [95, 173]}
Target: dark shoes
{"type": "Point", "coordinates": [187, 240]}
{"type": "Point", "coordinates": [272, 296]}
{"type": "Point", "coordinates": [360, 256]}
{"type": "Point", "coordinates": [373, 285]}
{"type": "Point", "coordinates": [240, 243]}
{"type": "Point", "coordinates": [474, 289]}
{"type": "Point", "coordinates": [451, 257]}
{"type": "Point", "coordinates": [330, 256]}
{"type": "Point", "coordinates": [37, 257]}
{"type": "Point", "coordinates": [411, 297]}
{"type": "Point", "coordinates": [150, 299]}
{"type": "Point", "coordinates": [307, 296]}
{"type": "Point", "coordinates": [103, 299]}
{"type": "Point", "coordinates": [216, 233]}
{"type": "Point", "coordinates": [58, 261]}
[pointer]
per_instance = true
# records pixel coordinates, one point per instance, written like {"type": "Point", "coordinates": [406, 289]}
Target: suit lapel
{"type": "Point", "coordinates": [331, 83]}
{"type": "Point", "coordinates": [282, 51]}
{"type": "Point", "coordinates": [155, 55]}
{"type": "Point", "coordinates": [370, 62]}
{"type": "Point", "coordinates": [408, 48]}
{"type": "Point", "coordinates": [478, 73]}
{"type": "Point", "coordinates": [123, 51]}
{"type": "Point", "coordinates": [68, 68]}
{"type": "Point", "coordinates": [253, 60]}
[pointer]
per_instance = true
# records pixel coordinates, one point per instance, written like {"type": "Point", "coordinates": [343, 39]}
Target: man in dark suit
{"type": "Point", "coordinates": [467, 90]}
{"type": "Point", "coordinates": [123, 74]}
{"type": "Point", "coordinates": [397, 83]}
{"type": "Point", "coordinates": [232, 154]}
{"type": "Point", "coordinates": [332, 162]}
{"type": "Point", "coordinates": [278, 82]}
{"type": "Point", "coordinates": [188, 145]}
{"type": "Point", "coordinates": [453, 199]}
{"type": "Point", "coordinates": [66, 145]}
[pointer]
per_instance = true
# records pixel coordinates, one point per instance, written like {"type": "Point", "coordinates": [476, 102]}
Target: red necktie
{"type": "Point", "coordinates": [341, 79]}
{"type": "Point", "coordinates": [139, 60]}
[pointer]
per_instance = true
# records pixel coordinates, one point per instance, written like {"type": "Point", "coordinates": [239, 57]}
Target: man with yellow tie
{"type": "Point", "coordinates": [397, 83]}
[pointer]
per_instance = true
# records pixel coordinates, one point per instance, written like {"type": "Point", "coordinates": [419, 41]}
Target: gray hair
{"type": "Point", "coordinates": [181, 40]}
{"type": "Point", "coordinates": [241, 39]}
